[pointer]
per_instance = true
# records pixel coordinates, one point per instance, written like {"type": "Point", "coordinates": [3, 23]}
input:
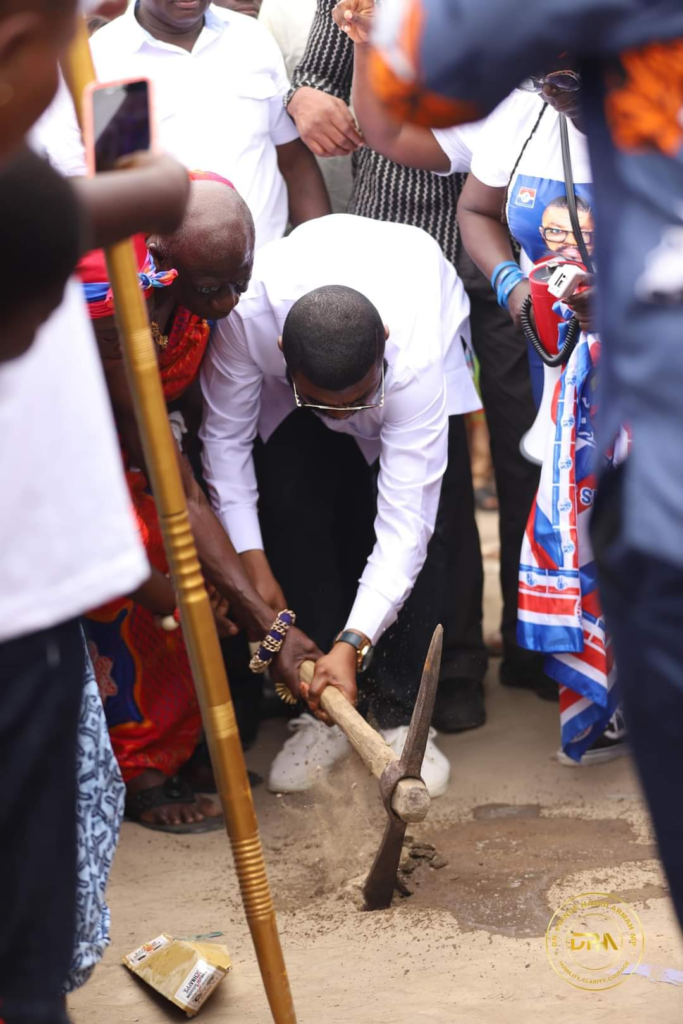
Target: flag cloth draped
{"type": "Point", "coordinates": [559, 605]}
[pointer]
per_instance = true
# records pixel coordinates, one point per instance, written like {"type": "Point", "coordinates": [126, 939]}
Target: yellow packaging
{"type": "Point", "coordinates": [186, 973]}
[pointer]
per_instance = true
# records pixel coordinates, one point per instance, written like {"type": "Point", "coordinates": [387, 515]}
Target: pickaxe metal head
{"type": "Point", "coordinates": [381, 882]}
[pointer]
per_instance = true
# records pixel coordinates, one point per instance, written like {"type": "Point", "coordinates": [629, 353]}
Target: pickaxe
{"type": "Point", "coordinates": [403, 792]}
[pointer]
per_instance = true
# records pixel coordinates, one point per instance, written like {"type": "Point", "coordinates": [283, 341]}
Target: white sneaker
{"type": "Point", "coordinates": [436, 768]}
{"type": "Point", "coordinates": [313, 747]}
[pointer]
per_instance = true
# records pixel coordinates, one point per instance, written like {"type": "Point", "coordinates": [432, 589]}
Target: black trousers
{"type": "Point", "coordinates": [41, 682]}
{"type": "Point", "coordinates": [317, 509]}
{"type": "Point", "coordinates": [643, 601]}
{"type": "Point", "coordinates": [510, 411]}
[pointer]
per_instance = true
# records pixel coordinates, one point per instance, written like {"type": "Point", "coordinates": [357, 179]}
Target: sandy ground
{"type": "Point", "coordinates": [519, 834]}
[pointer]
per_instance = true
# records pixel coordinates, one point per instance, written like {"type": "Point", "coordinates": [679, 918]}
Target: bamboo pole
{"type": "Point", "coordinates": [198, 624]}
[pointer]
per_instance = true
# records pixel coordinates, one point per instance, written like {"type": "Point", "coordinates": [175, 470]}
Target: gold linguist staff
{"type": "Point", "coordinates": [197, 616]}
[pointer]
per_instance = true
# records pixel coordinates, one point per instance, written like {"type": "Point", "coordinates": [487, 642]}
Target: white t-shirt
{"type": "Point", "coordinates": [460, 141]}
{"type": "Point", "coordinates": [458, 144]}
{"type": "Point", "coordinates": [536, 208]}
{"type": "Point", "coordinates": [68, 539]}
{"type": "Point", "coordinates": [420, 298]}
{"type": "Point", "coordinates": [218, 108]}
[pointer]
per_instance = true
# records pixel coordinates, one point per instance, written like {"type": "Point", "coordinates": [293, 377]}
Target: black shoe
{"type": "Point", "coordinates": [612, 744]}
{"type": "Point", "coordinates": [529, 675]}
{"type": "Point", "coordinates": [459, 705]}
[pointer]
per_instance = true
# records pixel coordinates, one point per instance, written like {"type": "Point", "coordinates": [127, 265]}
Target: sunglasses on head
{"type": "Point", "coordinates": [563, 81]}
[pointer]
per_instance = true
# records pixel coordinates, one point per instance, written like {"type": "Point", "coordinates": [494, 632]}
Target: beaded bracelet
{"type": "Point", "coordinates": [272, 642]}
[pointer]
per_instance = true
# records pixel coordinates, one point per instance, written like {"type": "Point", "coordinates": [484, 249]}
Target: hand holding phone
{"type": "Point", "coordinates": [567, 279]}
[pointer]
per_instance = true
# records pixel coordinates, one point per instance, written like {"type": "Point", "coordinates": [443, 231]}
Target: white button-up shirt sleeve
{"type": "Point", "coordinates": [282, 127]}
{"type": "Point", "coordinates": [412, 463]}
{"type": "Point", "coordinates": [414, 453]}
{"type": "Point", "coordinates": [231, 383]}
{"type": "Point", "coordinates": [427, 379]}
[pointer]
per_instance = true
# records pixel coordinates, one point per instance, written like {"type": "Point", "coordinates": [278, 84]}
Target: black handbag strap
{"type": "Point", "coordinates": [571, 194]}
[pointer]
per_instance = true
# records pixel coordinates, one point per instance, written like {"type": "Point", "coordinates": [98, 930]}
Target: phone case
{"type": "Point", "coordinates": [88, 127]}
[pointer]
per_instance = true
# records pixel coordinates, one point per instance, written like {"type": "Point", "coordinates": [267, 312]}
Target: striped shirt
{"type": "Point", "coordinates": [382, 190]}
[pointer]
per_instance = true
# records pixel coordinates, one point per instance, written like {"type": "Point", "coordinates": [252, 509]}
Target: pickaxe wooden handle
{"type": "Point", "coordinates": [410, 801]}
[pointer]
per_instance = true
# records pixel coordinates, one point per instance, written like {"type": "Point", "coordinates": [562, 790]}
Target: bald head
{"type": "Point", "coordinates": [212, 250]}
{"type": "Point", "coordinates": [217, 226]}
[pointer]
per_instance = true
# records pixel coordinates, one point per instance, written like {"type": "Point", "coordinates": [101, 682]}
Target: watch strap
{"type": "Point", "coordinates": [360, 642]}
{"type": "Point", "coordinates": [349, 636]}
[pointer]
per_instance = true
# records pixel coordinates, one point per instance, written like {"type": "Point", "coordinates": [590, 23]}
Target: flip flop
{"type": "Point", "coordinates": [172, 791]}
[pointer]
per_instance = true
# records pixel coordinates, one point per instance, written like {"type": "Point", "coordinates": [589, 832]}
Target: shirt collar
{"type": "Point", "coordinates": [139, 37]}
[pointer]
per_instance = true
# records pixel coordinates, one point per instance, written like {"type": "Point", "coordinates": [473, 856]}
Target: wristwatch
{"type": "Point", "coordinates": [364, 649]}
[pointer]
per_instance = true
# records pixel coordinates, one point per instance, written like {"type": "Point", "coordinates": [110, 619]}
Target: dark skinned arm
{"type": "Point", "coordinates": [219, 559]}
{"type": "Point", "coordinates": [225, 571]}
{"type": "Point", "coordinates": [147, 193]}
{"type": "Point", "coordinates": [405, 144]}
{"type": "Point", "coordinates": [156, 594]}
{"type": "Point", "coordinates": [226, 575]}
{"type": "Point", "coordinates": [485, 237]}
{"type": "Point", "coordinates": [306, 189]}
{"type": "Point", "coordinates": [582, 305]}
{"type": "Point", "coordinates": [322, 84]}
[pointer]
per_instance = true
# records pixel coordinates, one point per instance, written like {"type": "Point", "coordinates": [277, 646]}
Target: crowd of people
{"type": "Point", "coordinates": [333, 292]}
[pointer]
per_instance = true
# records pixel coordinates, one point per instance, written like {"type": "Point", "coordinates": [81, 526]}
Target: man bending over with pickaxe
{"type": "Point", "coordinates": [335, 449]}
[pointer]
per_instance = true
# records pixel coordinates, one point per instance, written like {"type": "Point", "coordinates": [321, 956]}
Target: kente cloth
{"type": "Point", "coordinates": [143, 672]}
{"type": "Point", "coordinates": [180, 358]}
{"type": "Point", "coordinates": [559, 605]}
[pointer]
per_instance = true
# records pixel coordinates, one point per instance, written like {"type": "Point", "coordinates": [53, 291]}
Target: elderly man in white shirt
{"type": "Point", "coordinates": [305, 492]}
{"type": "Point", "coordinates": [219, 84]}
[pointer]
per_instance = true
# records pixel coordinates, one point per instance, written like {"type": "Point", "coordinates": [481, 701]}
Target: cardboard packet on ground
{"type": "Point", "coordinates": [184, 972]}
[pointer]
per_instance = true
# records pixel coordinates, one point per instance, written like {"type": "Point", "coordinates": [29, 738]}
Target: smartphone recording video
{"type": "Point", "coordinates": [120, 122]}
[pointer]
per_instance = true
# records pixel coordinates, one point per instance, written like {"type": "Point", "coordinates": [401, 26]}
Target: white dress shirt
{"type": "Point", "coordinates": [218, 108]}
{"type": "Point", "coordinates": [421, 299]}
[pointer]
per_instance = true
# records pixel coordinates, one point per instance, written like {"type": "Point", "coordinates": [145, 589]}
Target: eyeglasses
{"type": "Point", "coordinates": [563, 81]}
{"type": "Point", "coordinates": [560, 236]}
{"type": "Point", "coordinates": [340, 408]}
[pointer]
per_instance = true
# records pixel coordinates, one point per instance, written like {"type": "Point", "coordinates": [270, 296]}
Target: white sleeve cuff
{"type": "Point", "coordinates": [243, 529]}
{"type": "Point", "coordinates": [372, 613]}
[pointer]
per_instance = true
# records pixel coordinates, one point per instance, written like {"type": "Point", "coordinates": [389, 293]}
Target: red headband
{"type": "Point", "coordinates": [94, 275]}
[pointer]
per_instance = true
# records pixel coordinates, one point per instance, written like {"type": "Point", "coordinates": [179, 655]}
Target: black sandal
{"type": "Point", "coordinates": [173, 791]}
